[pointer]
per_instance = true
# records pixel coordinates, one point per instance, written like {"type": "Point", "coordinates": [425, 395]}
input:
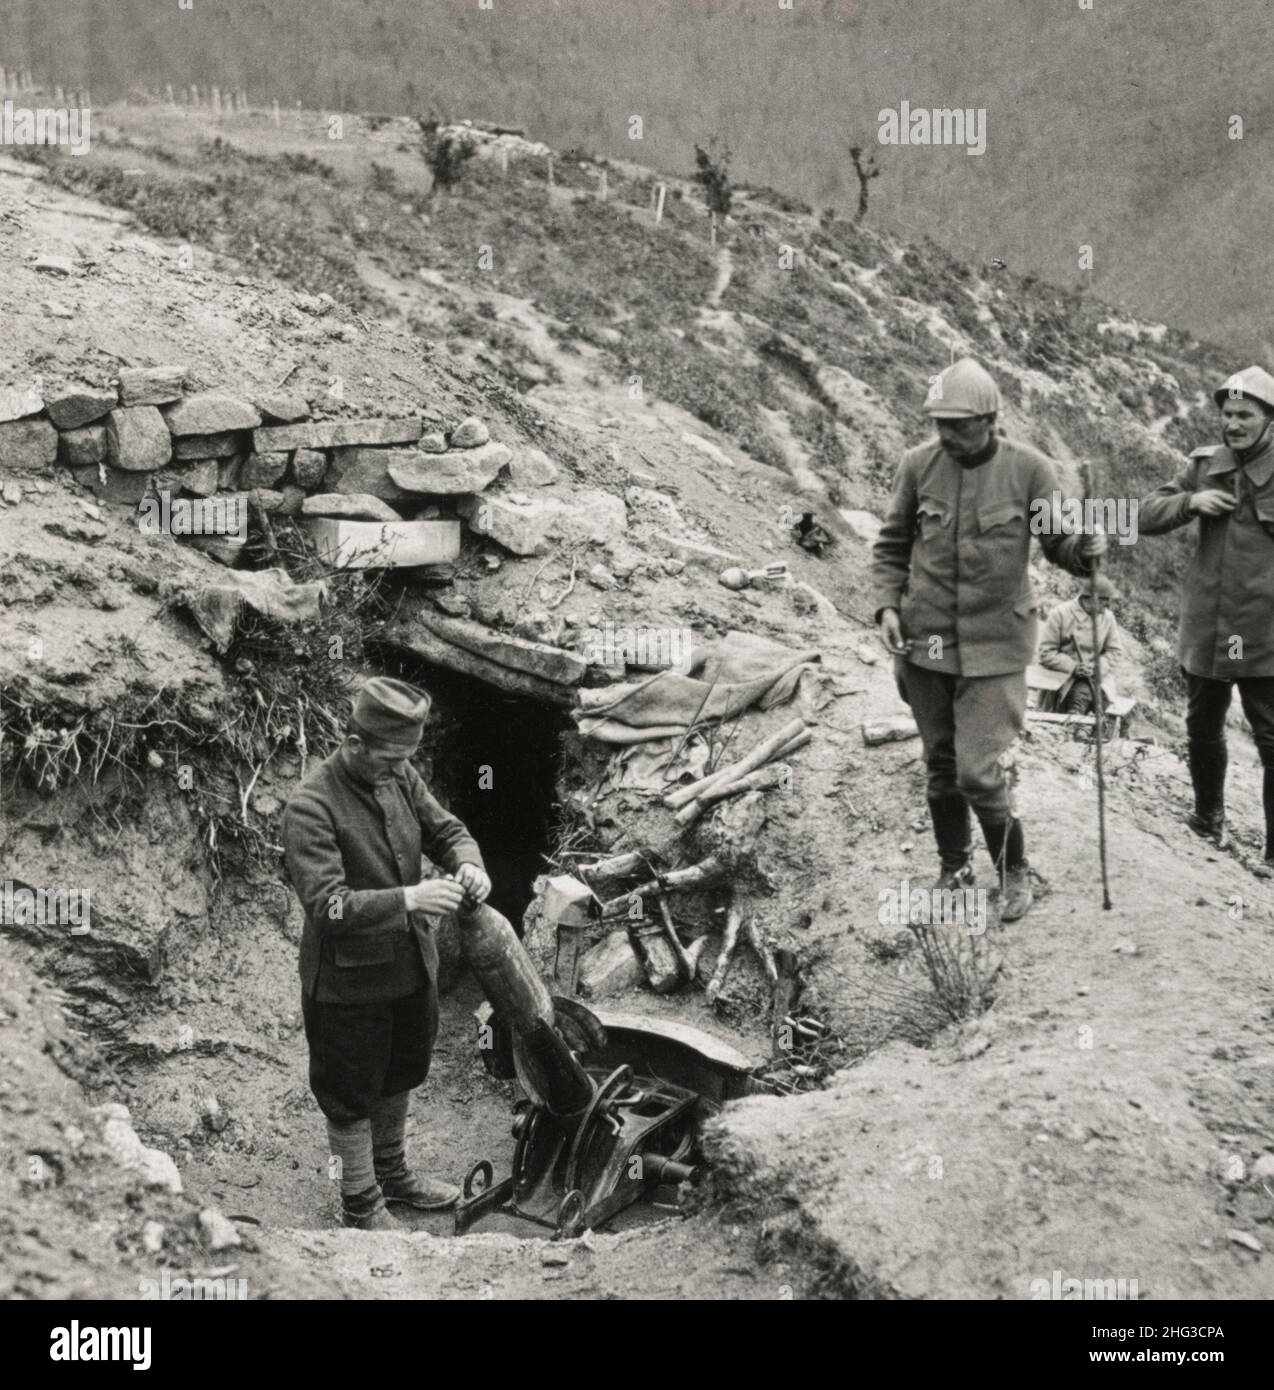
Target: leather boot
{"type": "Point", "coordinates": [1208, 763]}
{"type": "Point", "coordinates": [1006, 845]}
{"type": "Point", "coordinates": [425, 1194]}
{"type": "Point", "coordinates": [1267, 869]}
{"type": "Point", "coordinates": [366, 1211]}
{"type": "Point", "coordinates": [953, 831]}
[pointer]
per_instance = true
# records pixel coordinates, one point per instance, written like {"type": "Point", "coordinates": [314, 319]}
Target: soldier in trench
{"type": "Point", "coordinates": [353, 834]}
{"type": "Point", "coordinates": [954, 604]}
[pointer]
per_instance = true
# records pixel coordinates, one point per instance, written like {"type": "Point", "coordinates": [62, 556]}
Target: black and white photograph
{"type": "Point", "coordinates": [636, 664]}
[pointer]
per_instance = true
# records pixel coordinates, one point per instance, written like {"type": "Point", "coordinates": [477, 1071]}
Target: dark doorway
{"type": "Point", "coordinates": [495, 764]}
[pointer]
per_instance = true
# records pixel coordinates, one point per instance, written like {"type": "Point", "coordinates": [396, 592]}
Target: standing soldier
{"type": "Point", "coordinates": [1227, 597]}
{"type": "Point", "coordinates": [353, 832]}
{"type": "Point", "coordinates": [954, 603]}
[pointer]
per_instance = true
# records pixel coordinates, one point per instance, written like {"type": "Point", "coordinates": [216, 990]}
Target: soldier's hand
{"type": "Point", "coordinates": [1212, 501]}
{"type": "Point", "coordinates": [1082, 668]}
{"type": "Point", "coordinates": [1093, 546]}
{"type": "Point", "coordinates": [891, 632]}
{"type": "Point", "coordinates": [436, 895]}
{"type": "Point", "coordinates": [473, 880]}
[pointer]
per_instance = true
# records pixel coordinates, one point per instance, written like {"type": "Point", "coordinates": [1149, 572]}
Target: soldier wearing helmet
{"type": "Point", "coordinates": [954, 603]}
{"type": "Point", "coordinates": [1226, 635]}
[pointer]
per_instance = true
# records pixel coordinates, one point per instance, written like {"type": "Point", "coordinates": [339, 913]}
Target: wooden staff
{"type": "Point", "coordinates": [1098, 709]}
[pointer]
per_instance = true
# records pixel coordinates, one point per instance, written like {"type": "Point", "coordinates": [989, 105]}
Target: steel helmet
{"type": "Point", "coordinates": [963, 390]}
{"type": "Point", "coordinates": [1254, 382]}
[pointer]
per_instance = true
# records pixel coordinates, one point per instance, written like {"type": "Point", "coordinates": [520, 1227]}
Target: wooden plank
{"type": "Point", "coordinates": [534, 658]}
{"type": "Point", "coordinates": [420, 642]}
{"type": "Point", "coordinates": [382, 544]}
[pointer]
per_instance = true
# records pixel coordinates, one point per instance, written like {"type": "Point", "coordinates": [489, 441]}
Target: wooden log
{"type": "Point", "coordinates": [619, 865]}
{"type": "Point", "coordinates": [419, 641]}
{"type": "Point", "coordinates": [901, 726]}
{"type": "Point", "coordinates": [762, 753]}
{"type": "Point", "coordinates": [763, 779]}
{"type": "Point", "coordinates": [699, 875]}
{"type": "Point", "coordinates": [686, 965]}
{"type": "Point", "coordinates": [729, 943]}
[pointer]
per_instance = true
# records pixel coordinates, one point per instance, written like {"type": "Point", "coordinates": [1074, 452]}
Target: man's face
{"type": "Point", "coordinates": [1086, 603]}
{"type": "Point", "coordinates": [376, 762]}
{"type": "Point", "coordinates": [962, 438]}
{"type": "Point", "coordinates": [1243, 422]}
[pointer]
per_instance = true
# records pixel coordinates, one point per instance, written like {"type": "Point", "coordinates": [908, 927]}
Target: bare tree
{"type": "Point", "coordinates": [866, 171]}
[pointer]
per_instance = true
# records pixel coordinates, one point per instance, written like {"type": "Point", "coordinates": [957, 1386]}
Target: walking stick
{"type": "Point", "coordinates": [1100, 712]}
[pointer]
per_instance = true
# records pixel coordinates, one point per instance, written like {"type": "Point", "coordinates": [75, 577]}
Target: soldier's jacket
{"type": "Point", "coordinates": [1067, 640]}
{"type": "Point", "coordinates": [953, 552]}
{"type": "Point", "coordinates": [1228, 590]}
{"type": "Point", "coordinates": [350, 849]}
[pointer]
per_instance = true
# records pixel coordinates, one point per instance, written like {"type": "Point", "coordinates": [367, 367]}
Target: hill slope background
{"type": "Point", "coordinates": [1106, 127]}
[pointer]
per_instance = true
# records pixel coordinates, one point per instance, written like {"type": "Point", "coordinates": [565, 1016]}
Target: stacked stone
{"type": "Point", "coordinates": [145, 427]}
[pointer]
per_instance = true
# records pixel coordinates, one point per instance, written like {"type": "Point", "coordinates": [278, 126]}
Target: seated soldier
{"type": "Point", "coordinates": [1067, 645]}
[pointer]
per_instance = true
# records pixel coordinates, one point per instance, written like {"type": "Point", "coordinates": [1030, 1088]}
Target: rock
{"type": "Point", "coordinates": [263, 470]}
{"type": "Point", "coordinates": [210, 412]}
{"type": "Point", "coordinates": [609, 967]}
{"type": "Point", "coordinates": [864, 525]}
{"type": "Point", "coordinates": [867, 654]}
{"type": "Point", "coordinates": [228, 471]}
{"type": "Point", "coordinates": [733, 578]}
{"type": "Point", "coordinates": [671, 566]}
{"type": "Point", "coordinates": [56, 309]}
{"type": "Point", "coordinates": [55, 265]}
{"type": "Point", "coordinates": [357, 506]}
{"type": "Point", "coordinates": [150, 385]}
{"type": "Point", "coordinates": [209, 446]}
{"type": "Point", "coordinates": [28, 444]}
{"type": "Point", "coordinates": [601, 578]}
{"type": "Point", "coordinates": [433, 443]}
{"type": "Point", "coordinates": [200, 476]}
{"type": "Point", "coordinates": [293, 498]}
{"type": "Point", "coordinates": [265, 499]}
{"type": "Point", "coordinates": [452, 473]}
{"type": "Point", "coordinates": [112, 484]}
{"type": "Point", "coordinates": [74, 405]}
{"type": "Point", "coordinates": [11, 492]}
{"type": "Point", "coordinates": [361, 469]}
{"type": "Point", "coordinates": [470, 433]}
{"type": "Point", "coordinates": [308, 467]}
{"type": "Point", "coordinates": [75, 529]}
{"type": "Point", "coordinates": [155, 1167]}
{"type": "Point", "coordinates": [900, 726]}
{"type": "Point", "coordinates": [87, 444]}
{"type": "Point", "coordinates": [217, 1231]}
{"type": "Point", "coordinates": [137, 438]}
{"type": "Point", "coordinates": [1263, 1168]}
{"type": "Point", "coordinates": [532, 468]}
{"type": "Point", "coordinates": [333, 434]}
{"type": "Point", "coordinates": [152, 1237]}
{"type": "Point", "coordinates": [452, 604]}
{"type": "Point", "coordinates": [1126, 948]}
{"type": "Point", "coordinates": [1242, 1238]}
{"type": "Point", "coordinates": [528, 526]}
{"type": "Point", "coordinates": [638, 477]}
{"type": "Point", "coordinates": [17, 402]}
{"type": "Point", "coordinates": [284, 407]}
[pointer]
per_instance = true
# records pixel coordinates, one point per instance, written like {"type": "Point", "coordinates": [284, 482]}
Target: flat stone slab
{"type": "Point", "coordinates": [208, 446]}
{"type": "Point", "coordinates": [535, 658]}
{"type": "Point", "coordinates": [356, 506]}
{"type": "Point", "coordinates": [137, 438]}
{"type": "Point", "coordinates": [74, 405]}
{"type": "Point", "coordinates": [151, 385]}
{"type": "Point", "coordinates": [383, 544]}
{"type": "Point", "coordinates": [210, 412]}
{"type": "Point", "coordinates": [28, 444]}
{"type": "Point", "coordinates": [529, 525]}
{"type": "Point", "coordinates": [112, 484]}
{"type": "Point", "coordinates": [335, 434]}
{"type": "Point", "coordinates": [457, 471]}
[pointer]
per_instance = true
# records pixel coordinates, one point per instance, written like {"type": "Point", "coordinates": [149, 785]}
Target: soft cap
{"type": "Point", "coordinates": [391, 710]}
